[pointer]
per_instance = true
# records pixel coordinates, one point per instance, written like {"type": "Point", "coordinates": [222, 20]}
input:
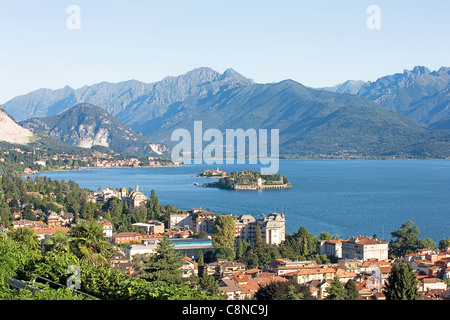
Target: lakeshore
{"type": "Point", "coordinates": [342, 197]}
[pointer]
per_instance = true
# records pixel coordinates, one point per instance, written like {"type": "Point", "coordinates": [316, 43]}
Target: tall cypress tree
{"type": "Point", "coordinates": [200, 263]}
{"type": "Point", "coordinates": [164, 265]}
{"type": "Point", "coordinates": [336, 290]}
{"type": "Point", "coordinates": [224, 231]}
{"type": "Point", "coordinates": [258, 236]}
{"type": "Point", "coordinates": [401, 283]}
{"type": "Point", "coordinates": [352, 290]}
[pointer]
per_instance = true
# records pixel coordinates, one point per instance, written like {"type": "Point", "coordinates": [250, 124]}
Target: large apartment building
{"type": "Point", "coordinates": [272, 228]}
{"type": "Point", "coordinates": [360, 248]}
{"type": "Point", "coordinates": [364, 248]}
{"type": "Point", "coordinates": [197, 220]}
{"type": "Point", "coordinates": [132, 199]}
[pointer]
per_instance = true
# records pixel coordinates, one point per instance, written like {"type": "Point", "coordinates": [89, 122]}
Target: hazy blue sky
{"type": "Point", "coordinates": [317, 43]}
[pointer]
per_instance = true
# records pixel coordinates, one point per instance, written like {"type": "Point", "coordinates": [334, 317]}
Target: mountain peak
{"type": "Point", "coordinates": [202, 72]}
{"type": "Point", "coordinates": [419, 70]}
{"type": "Point", "coordinates": [230, 73]}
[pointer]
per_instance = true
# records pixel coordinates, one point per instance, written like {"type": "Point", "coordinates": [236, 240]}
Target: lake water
{"type": "Point", "coordinates": [342, 197]}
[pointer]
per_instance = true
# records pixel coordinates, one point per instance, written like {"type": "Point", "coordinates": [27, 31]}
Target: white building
{"type": "Point", "coordinates": [364, 248]}
{"type": "Point", "coordinates": [140, 249]}
{"type": "Point", "coordinates": [107, 227]}
{"type": "Point", "coordinates": [332, 247]}
{"type": "Point", "coordinates": [272, 228]}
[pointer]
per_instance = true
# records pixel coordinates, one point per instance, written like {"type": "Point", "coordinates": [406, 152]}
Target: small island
{"type": "Point", "coordinates": [250, 180]}
{"type": "Point", "coordinates": [209, 173]}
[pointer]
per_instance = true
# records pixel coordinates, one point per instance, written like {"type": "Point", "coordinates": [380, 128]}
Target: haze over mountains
{"type": "Point", "coordinates": [386, 117]}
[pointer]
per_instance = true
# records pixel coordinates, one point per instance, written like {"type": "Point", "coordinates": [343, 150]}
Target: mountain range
{"type": "Point", "coordinates": [87, 126]}
{"type": "Point", "coordinates": [420, 94]}
{"type": "Point", "coordinates": [402, 114]}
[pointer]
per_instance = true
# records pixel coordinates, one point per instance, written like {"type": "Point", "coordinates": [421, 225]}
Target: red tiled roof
{"type": "Point", "coordinates": [152, 236]}
{"type": "Point", "coordinates": [367, 241]}
{"type": "Point", "coordinates": [127, 234]}
{"type": "Point", "coordinates": [310, 271]}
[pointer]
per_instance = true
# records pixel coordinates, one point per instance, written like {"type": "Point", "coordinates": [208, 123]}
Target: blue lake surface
{"type": "Point", "coordinates": [342, 197]}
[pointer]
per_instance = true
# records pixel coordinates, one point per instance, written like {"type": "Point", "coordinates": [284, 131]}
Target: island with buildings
{"type": "Point", "coordinates": [210, 173]}
{"type": "Point", "coordinates": [250, 180]}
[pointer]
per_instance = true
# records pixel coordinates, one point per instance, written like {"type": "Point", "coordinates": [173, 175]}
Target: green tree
{"type": "Point", "coordinates": [223, 253]}
{"type": "Point", "coordinates": [153, 207]}
{"type": "Point", "coordinates": [241, 249]}
{"type": "Point", "coordinates": [266, 253]}
{"type": "Point", "coordinates": [25, 236]}
{"type": "Point", "coordinates": [15, 256]}
{"type": "Point", "coordinates": [427, 243]}
{"type": "Point", "coordinates": [89, 244]}
{"type": "Point", "coordinates": [164, 265]}
{"type": "Point", "coordinates": [292, 294]}
{"type": "Point", "coordinates": [209, 285]}
{"type": "Point", "coordinates": [200, 263]}
{"type": "Point", "coordinates": [336, 290]}
{"type": "Point", "coordinates": [28, 213]}
{"type": "Point", "coordinates": [223, 232]}
{"type": "Point", "coordinates": [250, 259]}
{"type": "Point", "coordinates": [401, 283]}
{"type": "Point", "coordinates": [405, 240]}
{"type": "Point", "coordinates": [288, 290]}
{"type": "Point", "coordinates": [5, 216]}
{"type": "Point", "coordinates": [53, 265]}
{"type": "Point", "coordinates": [352, 290]}
{"type": "Point", "coordinates": [324, 236]}
{"type": "Point", "coordinates": [444, 244]}
{"type": "Point", "coordinates": [60, 242]}
{"type": "Point", "coordinates": [258, 236]}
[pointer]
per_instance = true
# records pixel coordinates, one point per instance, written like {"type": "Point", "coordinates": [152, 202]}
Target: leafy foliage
{"type": "Point", "coordinates": [277, 290]}
{"type": "Point", "coordinates": [223, 233]}
{"type": "Point", "coordinates": [401, 283]}
{"type": "Point", "coordinates": [164, 265]}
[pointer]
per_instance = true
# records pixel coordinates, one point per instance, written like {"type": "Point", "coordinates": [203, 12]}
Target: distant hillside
{"type": "Point", "coordinates": [87, 126]}
{"type": "Point", "coordinates": [349, 86]}
{"type": "Point", "coordinates": [420, 94]}
{"type": "Point", "coordinates": [13, 133]}
{"type": "Point", "coordinates": [312, 123]}
{"type": "Point", "coordinates": [132, 102]}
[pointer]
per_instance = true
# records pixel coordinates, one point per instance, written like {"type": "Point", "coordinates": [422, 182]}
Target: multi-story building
{"type": "Point", "coordinates": [107, 227]}
{"type": "Point", "coordinates": [189, 267]}
{"type": "Point", "coordinates": [272, 228]}
{"type": "Point", "coordinates": [152, 227]}
{"type": "Point", "coordinates": [223, 268]}
{"type": "Point", "coordinates": [134, 249]}
{"type": "Point", "coordinates": [307, 275]}
{"type": "Point", "coordinates": [245, 228]}
{"type": "Point", "coordinates": [203, 220]}
{"type": "Point", "coordinates": [332, 247]}
{"type": "Point", "coordinates": [196, 220]}
{"type": "Point", "coordinates": [125, 237]}
{"type": "Point", "coordinates": [135, 198]}
{"type": "Point", "coordinates": [103, 196]}
{"type": "Point", "coordinates": [283, 266]}
{"type": "Point", "coordinates": [181, 220]}
{"type": "Point", "coordinates": [364, 248]}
